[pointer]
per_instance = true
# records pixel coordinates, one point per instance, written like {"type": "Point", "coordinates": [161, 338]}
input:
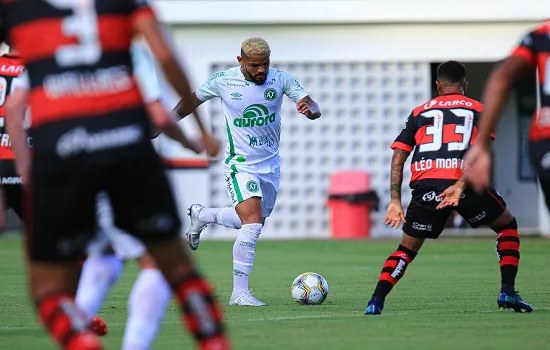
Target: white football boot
{"type": "Point", "coordinates": [193, 235]}
{"type": "Point", "coordinates": [245, 299]}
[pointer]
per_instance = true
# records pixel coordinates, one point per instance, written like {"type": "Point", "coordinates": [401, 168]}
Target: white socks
{"type": "Point", "coordinates": [222, 216]}
{"type": "Point", "coordinates": [148, 302]}
{"type": "Point", "coordinates": [244, 250]}
{"type": "Point", "coordinates": [99, 274]}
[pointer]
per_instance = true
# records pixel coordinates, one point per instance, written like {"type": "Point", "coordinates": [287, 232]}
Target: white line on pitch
{"type": "Point", "coordinates": [289, 318]}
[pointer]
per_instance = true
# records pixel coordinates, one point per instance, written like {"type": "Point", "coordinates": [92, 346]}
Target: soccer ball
{"type": "Point", "coordinates": [309, 288]}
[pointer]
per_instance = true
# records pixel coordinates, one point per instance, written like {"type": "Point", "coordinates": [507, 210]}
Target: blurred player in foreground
{"type": "Point", "coordinates": [440, 132]}
{"type": "Point", "coordinates": [91, 134]}
{"type": "Point", "coordinates": [532, 54]}
{"type": "Point", "coordinates": [151, 293]}
{"type": "Point", "coordinates": [251, 95]}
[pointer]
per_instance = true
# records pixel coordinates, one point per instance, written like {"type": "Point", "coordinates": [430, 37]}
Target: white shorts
{"type": "Point", "coordinates": [126, 246]}
{"type": "Point", "coordinates": [242, 185]}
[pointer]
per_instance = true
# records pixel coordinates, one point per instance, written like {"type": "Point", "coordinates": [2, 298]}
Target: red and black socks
{"type": "Point", "coordinates": [66, 324]}
{"type": "Point", "coordinates": [394, 268]}
{"type": "Point", "coordinates": [507, 248]}
{"type": "Point", "coordinates": [203, 315]}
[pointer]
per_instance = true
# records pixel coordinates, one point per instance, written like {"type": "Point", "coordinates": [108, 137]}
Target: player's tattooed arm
{"type": "Point", "coordinates": [309, 108]}
{"type": "Point", "coordinates": [397, 164]}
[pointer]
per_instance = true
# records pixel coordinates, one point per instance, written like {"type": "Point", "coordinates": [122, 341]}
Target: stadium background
{"type": "Point", "coordinates": [367, 63]}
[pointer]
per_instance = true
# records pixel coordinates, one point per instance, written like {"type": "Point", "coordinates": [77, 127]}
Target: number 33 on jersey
{"type": "Point", "coordinates": [440, 132]}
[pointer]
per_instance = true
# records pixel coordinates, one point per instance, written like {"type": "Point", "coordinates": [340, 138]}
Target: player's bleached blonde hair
{"type": "Point", "coordinates": [255, 46]}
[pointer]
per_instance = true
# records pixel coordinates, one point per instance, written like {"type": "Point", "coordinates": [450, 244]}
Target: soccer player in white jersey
{"type": "Point", "coordinates": [252, 95]}
{"type": "Point", "coordinates": [151, 293]}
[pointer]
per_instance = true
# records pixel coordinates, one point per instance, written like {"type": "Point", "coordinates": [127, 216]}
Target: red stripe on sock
{"type": "Point", "coordinates": [390, 263]}
{"type": "Point", "coordinates": [508, 246]}
{"type": "Point", "coordinates": [402, 255]}
{"type": "Point", "coordinates": [386, 276]}
{"type": "Point", "coordinates": [187, 293]}
{"type": "Point", "coordinates": [508, 233]}
{"type": "Point", "coordinates": [509, 260]}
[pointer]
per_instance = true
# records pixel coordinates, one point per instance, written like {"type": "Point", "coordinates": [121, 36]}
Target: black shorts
{"type": "Point", "coordinates": [12, 187]}
{"type": "Point", "coordinates": [423, 220]}
{"type": "Point", "coordinates": [540, 156]}
{"type": "Point", "coordinates": [113, 155]}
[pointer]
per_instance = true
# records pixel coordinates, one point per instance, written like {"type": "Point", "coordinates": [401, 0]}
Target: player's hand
{"type": "Point", "coordinates": [195, 145]}
{"type": "Point", "coordinates": [451, 196]}
{"type": "Point", "coordinates": [303, 107]}
{"type": "Point", "coordinates": [211, 145]}
{"type": "Point", "coordinates": [477, 166]}
{"type": "Point", "coordinates": [395, 214]}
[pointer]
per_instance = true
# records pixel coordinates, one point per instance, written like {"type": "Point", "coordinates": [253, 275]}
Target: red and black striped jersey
{"type": "Point", "coordinates": [535, 50]}
{"type": "Point", "coordinates": [440, 132]}
{"type": "Point", "coordinates": [11, 67]}
{"type": "Point", "coordinates": [77, 55]}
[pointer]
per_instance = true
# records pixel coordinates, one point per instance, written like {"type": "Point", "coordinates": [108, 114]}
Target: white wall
{"type": "Point", "coordinates": [348, 11]}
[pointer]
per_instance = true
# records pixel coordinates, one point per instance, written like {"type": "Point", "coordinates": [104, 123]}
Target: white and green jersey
{"type": "Point", "coordinates": [252, 112]}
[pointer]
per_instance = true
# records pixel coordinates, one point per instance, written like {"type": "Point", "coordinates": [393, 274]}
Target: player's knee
{"type": "Point", "coordinates": [250, 211]}
{"type": "Point", "coordinates": [504, 223]}
{"type": "Point", "coordinates": [146, 261]}
{"type": "Point", "coordinates": [411, 243]}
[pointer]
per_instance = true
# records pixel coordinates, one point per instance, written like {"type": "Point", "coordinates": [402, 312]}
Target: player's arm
{"type": "Point", "coordinates": [402, 147]}
{"type": "Point", "coordinates": [15, 115]}
{"type": "Point", "coordinates": [503, 76]}
{"type": "Point", "coordinates": [150, 28]}
{"type": "Point", "coordinates": [395, 214]}
{"type": "Point", "coordinates": [396, 178]}
{"type": "Point", "coordinates": [304, 103]}
{"type": "Point", "coordinates": [146, 77]}
{"type": "Point", "coordinates": [162, 119]}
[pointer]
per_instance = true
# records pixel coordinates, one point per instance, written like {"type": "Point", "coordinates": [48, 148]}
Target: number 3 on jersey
{"type": "Point", "coordinates": [82, 24]}
{"type": "Point", "coordinates": [437, 130]}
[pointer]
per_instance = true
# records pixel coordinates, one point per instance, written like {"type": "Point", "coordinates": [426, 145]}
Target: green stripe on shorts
{"type": "Point", "coordinates": [236, 184]}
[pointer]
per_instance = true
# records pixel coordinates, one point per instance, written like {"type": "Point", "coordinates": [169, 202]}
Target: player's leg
{"type": "Point", "coordinates": [254, 196]}
{"type": "Point", "coordinates": [489, 209]}
{"type": "Point", "coordinates": [60, 222]}
{"type": "Point", "coordinates": [150, 212]}
{"type": "Point", "coordinates": [202, 216]}
{"type": "Point", "coordinates": [100, 272]}
{"type": "Point", "coordinates": [102, 268]}
{"type": "Point", "coordinates": [150, 293]}
{"type": "Point", "coordinates": [422, 221]}
{"type": "Point", "coordinates": [147, 305]}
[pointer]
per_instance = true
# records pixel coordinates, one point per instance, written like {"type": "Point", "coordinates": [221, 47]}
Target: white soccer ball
{"type": "Point", "coordinates": [309, 288]}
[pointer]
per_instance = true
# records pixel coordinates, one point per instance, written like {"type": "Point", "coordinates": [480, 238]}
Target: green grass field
{"type": "Point", "coordinates": [447, 300]}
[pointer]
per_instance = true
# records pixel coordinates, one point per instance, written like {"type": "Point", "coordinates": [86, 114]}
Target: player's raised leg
{"type": "Point", "coordinates": [202, 216]}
